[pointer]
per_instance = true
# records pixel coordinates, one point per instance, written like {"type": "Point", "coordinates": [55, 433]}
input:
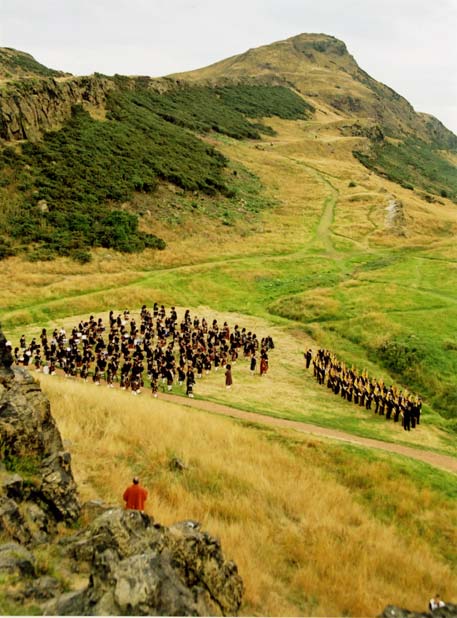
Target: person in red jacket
{"type": "Point", "coordinates": [135, 496]}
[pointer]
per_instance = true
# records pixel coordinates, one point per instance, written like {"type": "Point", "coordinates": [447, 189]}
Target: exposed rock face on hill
{"type": "Point", "coordinates": [395, 217]}
{"type": "Point", "coordinates": [31, 107]}
{"type": "Point", "coordinates": [37, 488]}
{"type": "Point", "coordinates": [129, 564]}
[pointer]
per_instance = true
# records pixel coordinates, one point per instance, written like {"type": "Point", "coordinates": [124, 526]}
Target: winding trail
{"type": "Point", "coordinates": [443, 462]}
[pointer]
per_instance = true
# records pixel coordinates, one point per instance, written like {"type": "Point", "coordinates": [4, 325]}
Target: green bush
{"type": "Point", "coordinates": [83, 256]}
{"type": "Point", "coordinates": [6, 249]}
{"type": "Point", "coordinates": [41, 254]}
{"type": "Point", "coordinates": [400, 356]}
{"type": "Point", "coordinates": [27, 466]}
{"type": "Point", "coordinates": [259, 101]}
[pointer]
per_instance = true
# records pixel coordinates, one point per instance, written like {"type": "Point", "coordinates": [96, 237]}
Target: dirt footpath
{"type": "Point", "coordinates": [444, 462]}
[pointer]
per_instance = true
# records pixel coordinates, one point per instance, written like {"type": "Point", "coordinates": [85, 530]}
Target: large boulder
{"type": "Point", "coordinates": [12, 522]}
{"type": "Point", "coordinates": [27, 428]}
{"type": "Point", "coordinates": [14, 558]}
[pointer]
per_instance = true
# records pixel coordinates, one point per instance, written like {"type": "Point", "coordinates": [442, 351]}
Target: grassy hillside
{"type": "Point", "coordinates": [57, 198]}
{"type": "Point", "coordinates": [61, 198]}
{"type": "Point", "coordinates": [413, 164]}
{"type": "Point", "coordinates": [379, 299]}
{"type": "Point", "coordinates": [16, 64]}
{"type": "Point", "coordinates": [269, 221]}
{"type": "Point", "coordinates": [315, 528]}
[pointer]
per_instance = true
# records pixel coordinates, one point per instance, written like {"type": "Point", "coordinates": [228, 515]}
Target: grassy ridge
{"type": "Point", "coordinates": [15, 63]}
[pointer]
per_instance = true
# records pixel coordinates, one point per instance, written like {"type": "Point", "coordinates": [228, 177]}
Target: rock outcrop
{"type": "Point", "coordinates": [37, 489]}
{"type": "Point", "coordinates": [138, 567]}
{"type": "Point", "coordinates": [123, 563]}
{"type": "Point", "coordinates": [30, 107]}
{"type": "Point", "coordinates": [372, 131]}
{"type": "Point", "coordinates": [448, 611]}
{"type": "Point", "coordinates": [395, 218]}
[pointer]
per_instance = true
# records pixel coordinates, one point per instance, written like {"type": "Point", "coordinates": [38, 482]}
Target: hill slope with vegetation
{"type": "Point", "coordinates": [60, 200]}
{"type": "Point", "coordinates": [294, 196]}
{"type": "Point", "coordinates": [16, 64]}
{"type": "Point", "coordinates": [148, 132]}
{"type": "Point", "coordinates": [255, 154]}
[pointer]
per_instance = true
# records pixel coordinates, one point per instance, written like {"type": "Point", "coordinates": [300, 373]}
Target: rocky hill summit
{"type": "Point", "coordinates": [120, 563]}
{"type": "Point", "coordinates": [35, 99]}
{"type": "Point", "coordinates": [322, 70]}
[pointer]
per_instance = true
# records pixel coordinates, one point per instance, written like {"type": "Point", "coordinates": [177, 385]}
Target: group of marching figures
{"type": "Point", "coordinates": [158, 345]}
{"type": "Point", "coordinates": [361, 390]}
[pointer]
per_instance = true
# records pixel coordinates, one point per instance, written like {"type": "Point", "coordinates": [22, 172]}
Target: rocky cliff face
{"type": "Point", "coordinates": [122, 563]}
{"type": "Point", "coordinates": [30, 107]}
{"type": "Point", "coordinates": [37, 488]}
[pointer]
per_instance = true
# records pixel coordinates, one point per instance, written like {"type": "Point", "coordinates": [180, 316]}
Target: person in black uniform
{"type": "Point", "coordinates": [308, 357]}
{"type": "Point", "coordinates": [190, 381]}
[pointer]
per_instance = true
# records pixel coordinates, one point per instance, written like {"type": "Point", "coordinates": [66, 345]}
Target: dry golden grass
{"type": "Point", "coordinates": [303, 541]}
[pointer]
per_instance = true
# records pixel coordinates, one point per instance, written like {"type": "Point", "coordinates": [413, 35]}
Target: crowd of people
{"type": "Point", "coordinates": [360, 389]}
{"type": "Point", "coordinates": [157, 347]}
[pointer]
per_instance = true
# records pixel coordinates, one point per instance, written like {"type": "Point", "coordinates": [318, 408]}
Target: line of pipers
{"type": "Point", "coordinates": [364, 391]}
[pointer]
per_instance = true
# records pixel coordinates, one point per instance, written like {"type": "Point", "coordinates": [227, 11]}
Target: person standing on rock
{"type": "Point", "coordinates": [135, 496]}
